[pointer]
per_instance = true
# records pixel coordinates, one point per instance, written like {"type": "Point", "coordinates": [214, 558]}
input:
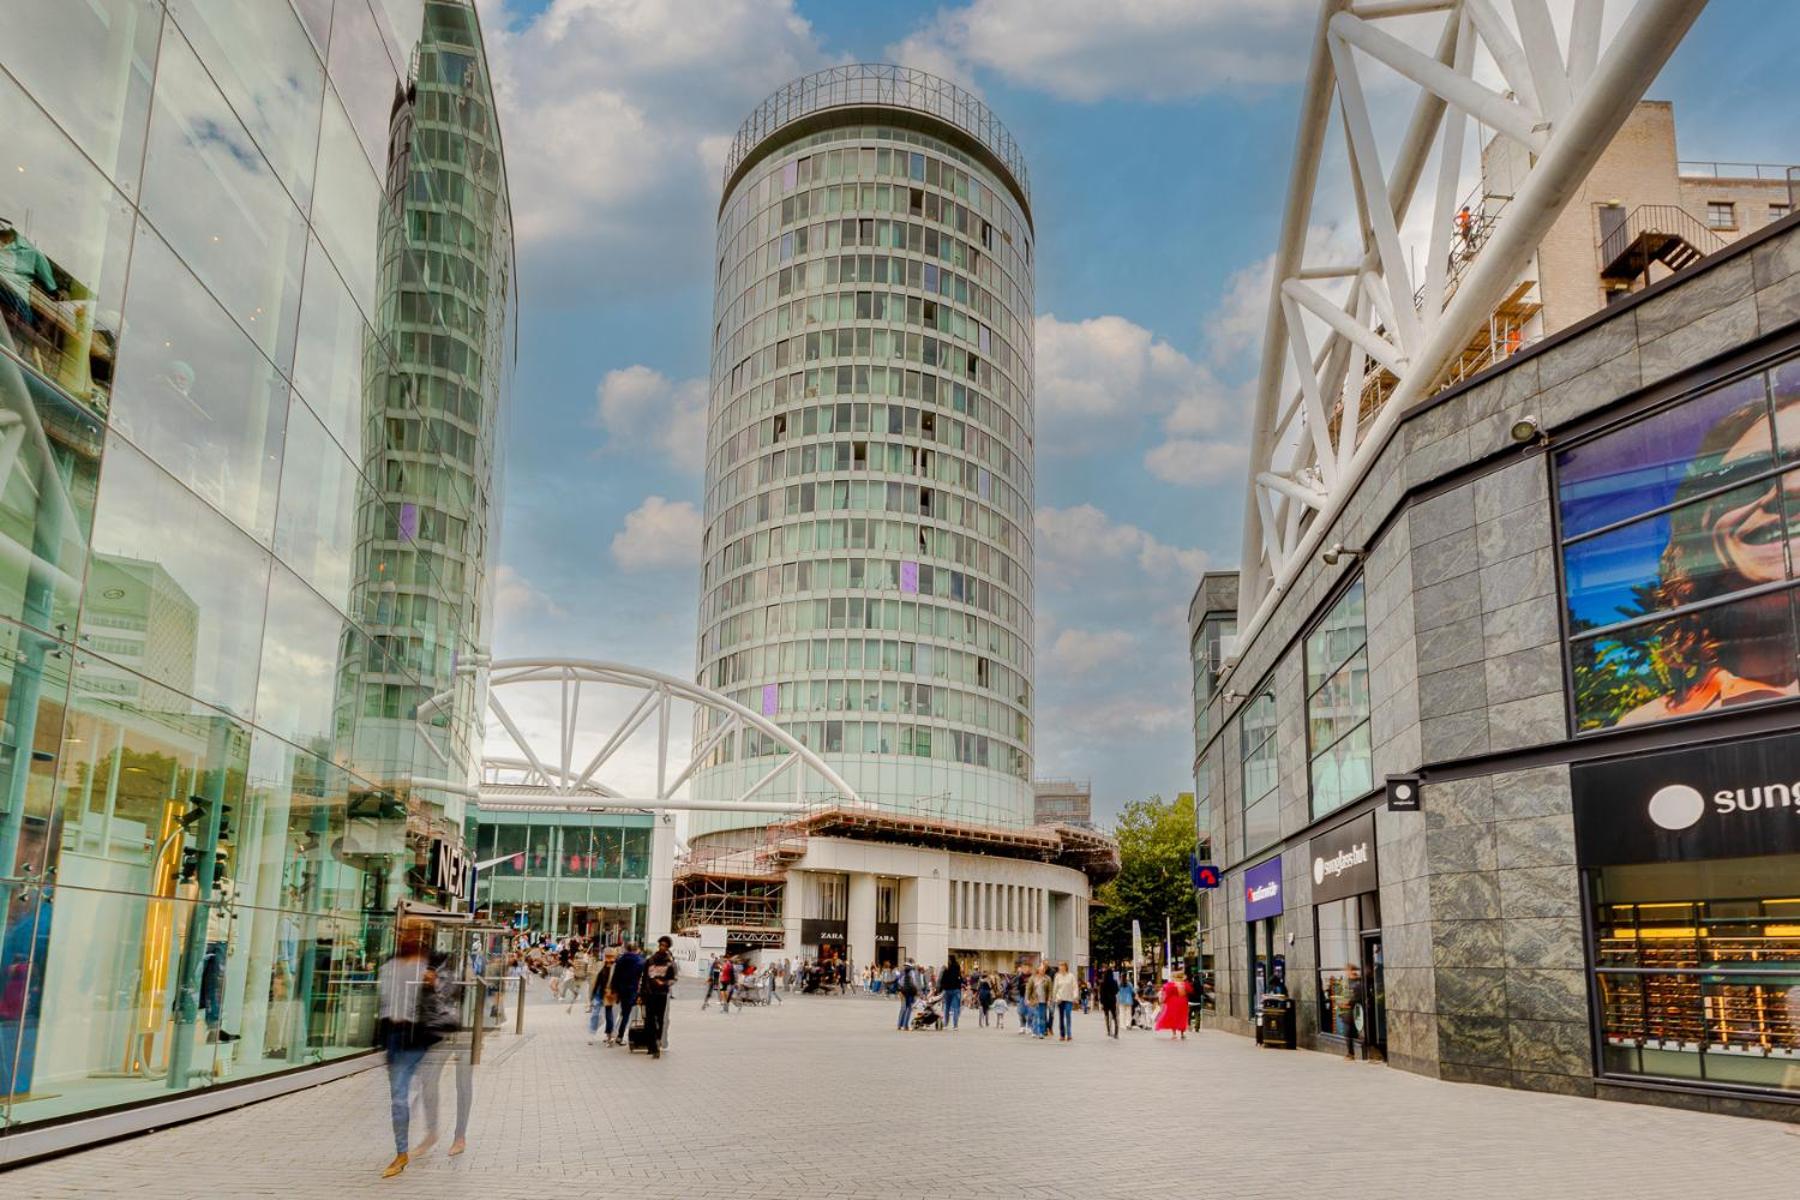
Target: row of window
{"type": "Point", "coordinates": [873, 496]}
{"type": "Point", "coordinates": [998, 907]}
{"type": "Point", "coordinates": [966, 481]}
{"type": "Point", "coordinates": [951, 705]}
{"type": "Point", "coordinates": [744, 416]}
{"type": "Point", "coordinates": [895, 458]}
{"type": "Point", "coordinates": [1723, 214]}
{"type": "Point", "coordinates": [873, 654]}
{"type": "Point", "coordinates": [887, 737]}
{"type": "Point", "coordinates": [905, 576]}
{"type": "Point", "coordinates": [922, 541]}
{"type": "Point", "coordinates": [855, 612]}
{"type": "Point", "coordinates": [1340, 757]}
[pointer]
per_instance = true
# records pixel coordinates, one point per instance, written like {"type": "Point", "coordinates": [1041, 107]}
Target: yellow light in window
{"type": "Point", "coordinates": [1670, 932]}
{"type": "Point", "coordinates": [1776, 931]}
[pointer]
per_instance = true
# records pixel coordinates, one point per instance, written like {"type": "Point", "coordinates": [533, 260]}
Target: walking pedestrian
{"type": "Point", "coordinates": [1109, 1000]}
{"type": "Point", "coordinates": [1037, 994]}
{"type": "Point", "coordinates": [401, 987]}
{"type": "Point", "coordinates": [1068, 993]}
{"type": "Point", "coordinates": [1128, 998]}
{"type": "Point", "coordinates": [628, 977]}
{"type": "Point", "coordinates": [658, 981]}
{"type": "Point", "coordinates": [909, 994]}
{"type": "Point", "coordinates": [603, 999]}
{"type": "Point", "coordinates": [984, 996]}
{"type": "Point", "coordinates": [1174, 1016]}
{"type": "Point", "coordinates": [950, 983]}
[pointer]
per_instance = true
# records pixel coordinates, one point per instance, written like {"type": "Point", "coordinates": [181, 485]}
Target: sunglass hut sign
{"type": "Point", "coordinates": [1725, 801]}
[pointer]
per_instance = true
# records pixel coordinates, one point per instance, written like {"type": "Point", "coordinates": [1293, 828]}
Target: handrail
{"type": "Point", "coordinates": [1669, 219]}
{"type": "Point", "coordinates": [1708, 169]}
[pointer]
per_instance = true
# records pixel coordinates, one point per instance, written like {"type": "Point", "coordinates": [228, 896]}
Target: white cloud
{"type": "Point", "coordinates": [640, 408]}
{"type": "Point", "coordinates": [515, 599]}
{"type": "Point", "coordinates": [617, 115]}
{"type": "Point", "coordinates": [658, 535]}
{"type": "Point", "coordinates": [1108, 367]}
{"type": "Point", "coordinates": [1083, 650]}
{"type": "Point", "coordinates": [1189, 462]}
{"type": "Point", "coordinates": [1080, 541]}
{"type": "Point", "coordinates": [1155, 49]}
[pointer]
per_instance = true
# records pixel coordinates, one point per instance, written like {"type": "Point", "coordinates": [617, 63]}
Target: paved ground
{"type": "Point", "coordinates": [821, 1098]}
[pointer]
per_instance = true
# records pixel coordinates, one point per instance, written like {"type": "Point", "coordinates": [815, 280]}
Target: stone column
{"type": "Point", "coordinates": [662, 876]}
{"type": "Point", "coordinates": [860, 944]}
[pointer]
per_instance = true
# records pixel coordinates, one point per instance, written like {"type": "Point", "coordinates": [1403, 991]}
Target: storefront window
{"type": "Point", "coordinates": [1337, 704]}
{"type": "Point", "coordinates": [1697, 970]}
{"type": "Point", "coordinates": [1676, 555]}
{"type": "Point", "coordinates": [1262, 774]}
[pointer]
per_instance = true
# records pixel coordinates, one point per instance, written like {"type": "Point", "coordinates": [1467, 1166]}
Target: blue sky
{"type": "Point", "coordinates": [1158, 135]}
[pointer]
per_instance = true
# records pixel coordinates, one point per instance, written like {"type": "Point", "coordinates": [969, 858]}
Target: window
{"type": "Point", "coordinates": [1337, 704]}
{"type": "Point", "coordinates": [1721, 214]}
{"type": "Point", "coordinates": [1675, 534]}
{"type": "Point", "coordinates": [1262, 818]}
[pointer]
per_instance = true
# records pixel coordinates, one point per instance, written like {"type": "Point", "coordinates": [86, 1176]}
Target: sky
{"type": "Point", "coordinates": [1158, 136]}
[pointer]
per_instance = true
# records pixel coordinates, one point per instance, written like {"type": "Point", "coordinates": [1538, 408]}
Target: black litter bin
{"type": "Point", "coordinates": [1276, 1025]}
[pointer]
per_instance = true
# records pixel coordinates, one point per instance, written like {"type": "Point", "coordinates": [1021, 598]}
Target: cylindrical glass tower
{"type": "Point", "coordinates": [867, 564]}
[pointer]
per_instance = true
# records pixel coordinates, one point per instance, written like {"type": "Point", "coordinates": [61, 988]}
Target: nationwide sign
{"type": "Point", "coordinates": [1262, 890]}
{"type": "Point", "coordinates": [1729, 800]}
{"type": "Point", "coordinates": [1343, 860]}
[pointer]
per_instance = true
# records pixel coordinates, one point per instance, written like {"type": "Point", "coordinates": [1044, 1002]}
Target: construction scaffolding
{"type": "Point", "coordinates": [741, 886]}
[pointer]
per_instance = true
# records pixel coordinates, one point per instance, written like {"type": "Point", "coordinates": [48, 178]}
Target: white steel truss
{"type": "Point", "coordinates": [1323, 411]}
{"type": "Point", "coordinates": [540, 776]}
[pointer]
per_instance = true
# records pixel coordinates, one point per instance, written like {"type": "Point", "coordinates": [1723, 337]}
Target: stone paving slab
{"type": "Point", "coordinates": [820, 1097]}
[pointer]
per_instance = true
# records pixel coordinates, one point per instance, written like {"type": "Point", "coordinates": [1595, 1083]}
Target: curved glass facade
{"type": "Point", "coordinates": [867, 572]}
{"type": "Point", "coordinates": [257, 288]}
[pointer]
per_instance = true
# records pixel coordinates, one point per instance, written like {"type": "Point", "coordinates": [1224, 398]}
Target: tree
{"type": "Point", "coordinates": [1155, 838]}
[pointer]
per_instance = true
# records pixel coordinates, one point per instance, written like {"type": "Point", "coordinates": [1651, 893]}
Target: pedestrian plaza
{"type": "Point", "coordinates": [821, 1097]}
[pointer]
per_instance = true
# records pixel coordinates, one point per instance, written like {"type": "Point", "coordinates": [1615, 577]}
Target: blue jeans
{"type": "Point", "coordinates": [952, 1008]}
{"type": "Point", "coordinates": [906, 1007]}
{"type": "Point", "coordinates": [1040, 1018]}
{"type": "Point", "coordinates": [402, 1063]}
{"type": "Point", "coordinates": [1065, 1010]}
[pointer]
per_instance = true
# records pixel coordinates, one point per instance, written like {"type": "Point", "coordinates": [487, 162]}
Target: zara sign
{"type": "Point", "coordinates": [1729, 800]}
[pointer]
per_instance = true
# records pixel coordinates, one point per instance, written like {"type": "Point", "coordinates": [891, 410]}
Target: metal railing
{"type": "Point", "coordinates": [1668, 219]}
{"type": "Point", "coordinates": [882, 84]}
{"type": "Point", "coordinates": [1704, 169]}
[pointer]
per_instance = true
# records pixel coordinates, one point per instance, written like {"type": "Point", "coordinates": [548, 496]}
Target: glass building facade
{"type": "Point", "coordinates": [867, 574]}
{"type": "Point", "coordinates": [562, 873]}
{"type": "Point", "coordinates": [256, 277]}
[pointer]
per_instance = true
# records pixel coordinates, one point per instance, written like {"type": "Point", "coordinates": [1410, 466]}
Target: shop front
{"type": "Point", "coordinates": [1266, 932]}
{"type": "Point", "coordinates": [1691, 875]}
{"type": "Point", "coordinates": [1347, 932]}
{"type": "Point", "coordinates": [823, 938]}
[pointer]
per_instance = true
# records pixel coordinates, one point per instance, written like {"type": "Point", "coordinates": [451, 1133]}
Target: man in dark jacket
{"type": "Point", "coordinates": [950, 983]}
{"type": "Point", "coordinates": [599, 1003]}
{"type": "Point", "coordinates": [628, 974]}
{"type": "Point", "coordinates": [1109, 1000]}
{"type": "Point", "coordinates": [658, 979]}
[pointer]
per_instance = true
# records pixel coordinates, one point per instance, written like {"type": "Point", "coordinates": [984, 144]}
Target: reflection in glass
{"type": "Point", "coordinates": [64, 236]}
{"type": "Point", "coordinates": [315, 525]}
{"type": "Point", "coordinates": [195, 394]}
{"type": "Point", "coordinates": [46, 499]}
{"type": "Point", "coordinates": [192, 617]}
{"type": "Point", "coordinates": [348, 205]}
{"type": "Point", "coordinates": [210, 192]}
{"type": "Point", "coordinates": [90, 66]}
{"type": "Point", "coordinates": [329, 359]}
{"type": "Point", "coordinates": [1338, 706]}
{"type": "Point", "coordinates": [257, 53]}
{"type": "Point", "coordinates": [294, 689]}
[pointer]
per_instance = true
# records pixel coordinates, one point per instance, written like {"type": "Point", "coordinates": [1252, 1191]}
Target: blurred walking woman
{"type": "Point", "coordinates": [1174, 1017]}
{"type": "Point", "coordinates": [407, 988]}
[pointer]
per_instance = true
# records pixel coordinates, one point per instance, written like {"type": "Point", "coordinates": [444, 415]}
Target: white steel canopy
{"type": "Point", "coordinates": [1314, 438]}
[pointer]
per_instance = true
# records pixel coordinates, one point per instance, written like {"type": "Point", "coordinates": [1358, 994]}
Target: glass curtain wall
{"type": "Point", "coordinates": [226, 292]}
{"type": "Point", "coordinates": [567, 872]}
{"type": "Point", "coordinates": [1337, 704]}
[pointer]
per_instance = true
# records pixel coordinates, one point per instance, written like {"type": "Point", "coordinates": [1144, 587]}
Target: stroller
{"type": "Point", "coordinates": [926, 1016]}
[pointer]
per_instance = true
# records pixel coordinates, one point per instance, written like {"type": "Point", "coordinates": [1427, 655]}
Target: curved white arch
{"type": "Point", "coordinates": [552, 780]}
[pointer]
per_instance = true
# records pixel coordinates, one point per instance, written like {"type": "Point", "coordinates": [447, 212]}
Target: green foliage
{"type": "Point", "coordinates": [1155, 838]}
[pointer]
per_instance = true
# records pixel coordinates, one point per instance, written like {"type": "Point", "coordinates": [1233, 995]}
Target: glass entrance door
{"type": "Point", "coordinates": [1370, 1014]}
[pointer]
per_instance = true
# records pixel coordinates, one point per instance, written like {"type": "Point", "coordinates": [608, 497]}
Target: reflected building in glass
{"type": "Point", "coordinates": [257, 284]}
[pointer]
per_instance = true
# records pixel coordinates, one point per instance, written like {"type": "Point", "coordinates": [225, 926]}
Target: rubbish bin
{"type": "Point", "coordinates": [1275, 1027]}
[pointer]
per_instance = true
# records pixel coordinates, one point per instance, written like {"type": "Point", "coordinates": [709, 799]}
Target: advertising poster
{"type": "Point", "coordinates": [1676, 534]}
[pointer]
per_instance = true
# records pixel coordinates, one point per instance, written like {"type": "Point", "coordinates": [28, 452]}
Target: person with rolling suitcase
{"type": "Point", "coordinates": [653, 997]}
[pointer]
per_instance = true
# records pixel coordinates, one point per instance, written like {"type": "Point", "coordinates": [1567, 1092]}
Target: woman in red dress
{"type": "Point", "coordinates": [1174, 1016]}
